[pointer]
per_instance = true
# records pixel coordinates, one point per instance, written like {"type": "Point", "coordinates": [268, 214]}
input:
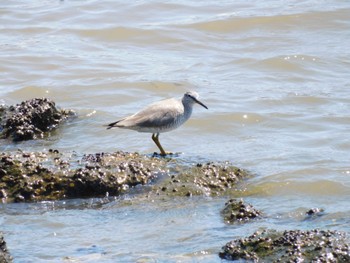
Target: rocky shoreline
{"type": "Point", "coordinates": [52, 175]}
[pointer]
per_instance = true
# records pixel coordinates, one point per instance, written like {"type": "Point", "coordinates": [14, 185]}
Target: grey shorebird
{"type": "Point", "coordinates": [162, 116]}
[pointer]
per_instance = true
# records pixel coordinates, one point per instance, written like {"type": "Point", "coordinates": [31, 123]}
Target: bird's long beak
{"type": "Point", "coordinates": [200, 103]}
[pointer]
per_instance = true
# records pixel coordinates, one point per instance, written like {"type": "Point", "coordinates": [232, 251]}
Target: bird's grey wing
{"type": "Point", "coordinates": [156, 115]}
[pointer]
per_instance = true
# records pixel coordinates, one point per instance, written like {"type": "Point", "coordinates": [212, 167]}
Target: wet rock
{"type": "Point", "coordinates": [238, 211]}
{"type": "Point", "coordinates": [31, 119]}
{"type": "Point", "coordinates": [51, 175]}
{"type": "Point", "coordinates": [290, 246]}
{"type": "Point", "coordinates": [315, 212]}
{"type": "Point", "coordinates": [5, 256]}
{"type": "Point", "coordinates": [2, 113]}
{"type": "Point", "coordinates": [210, 179]}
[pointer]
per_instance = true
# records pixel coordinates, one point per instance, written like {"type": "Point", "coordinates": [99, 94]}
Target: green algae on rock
{"type": "Point", "coordinates": [210, 179]}
{"type": "Point", "coordinates": [31, 119]}
{"type": "Point", "coordinates": [238, 211]}
{"type": "Point", "coordinates": [52, 176]}
{"type": "Point", "coordinates": [290, 246]}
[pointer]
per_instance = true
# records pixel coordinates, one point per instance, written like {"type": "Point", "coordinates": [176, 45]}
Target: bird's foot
{"type": "Point", "coordinates": [170, 154]}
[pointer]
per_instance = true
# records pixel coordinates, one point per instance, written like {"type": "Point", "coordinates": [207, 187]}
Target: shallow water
{"type": "Point", "coordinates": [275, 76]}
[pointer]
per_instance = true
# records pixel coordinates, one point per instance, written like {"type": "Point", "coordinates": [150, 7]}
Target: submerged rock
{"type": "Point", "coordinates": [290, 246]}
{"type": "Point", "coordinates": [238, 211]}
{"type": "Point", "coordinates": [30, 119]}
{"type": "Point", "coordinates": [5, 256]}
{"type": "Point", "coordinates": [315, 212]}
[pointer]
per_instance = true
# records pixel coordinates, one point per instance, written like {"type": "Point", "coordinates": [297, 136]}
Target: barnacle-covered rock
{"type": "Point", "coordinates": [238, 211]}
{"type": "Point", "coordinates": [52, 175]}
{"type": "Point", "coordinates": [290, 246]}
{"type": "Point", "coordinates": [31, 119]}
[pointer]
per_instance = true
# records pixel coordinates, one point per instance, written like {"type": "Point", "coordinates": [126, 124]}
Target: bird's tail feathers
{"type": "Point", "coordinates": [112, 125]}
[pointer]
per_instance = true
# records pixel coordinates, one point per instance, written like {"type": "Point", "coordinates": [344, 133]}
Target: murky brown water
{"type": "Point", "coordinates": [275, 76]}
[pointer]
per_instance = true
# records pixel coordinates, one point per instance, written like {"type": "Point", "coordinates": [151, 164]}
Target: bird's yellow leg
{"type": "Point", "coordinates": [155, 138]}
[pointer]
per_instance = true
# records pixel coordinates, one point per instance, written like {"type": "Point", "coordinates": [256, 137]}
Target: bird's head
{"type": "Point", "coordinates": [192, 97]}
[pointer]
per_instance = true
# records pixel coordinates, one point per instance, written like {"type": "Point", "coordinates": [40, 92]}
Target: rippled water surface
{"type": "Point", "coordinates": [275, 76]}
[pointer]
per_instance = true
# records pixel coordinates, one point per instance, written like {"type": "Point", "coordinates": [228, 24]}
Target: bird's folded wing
{"type": "Point", "coordinates": [153, 116]}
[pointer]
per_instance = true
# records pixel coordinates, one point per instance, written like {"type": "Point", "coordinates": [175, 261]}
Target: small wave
{"type": "Point", "coordinates": [234, 23]}
{"type": "Point", "coordinates": [293, 187]}
{"type": "Point", "coordinates": [126, 34]}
